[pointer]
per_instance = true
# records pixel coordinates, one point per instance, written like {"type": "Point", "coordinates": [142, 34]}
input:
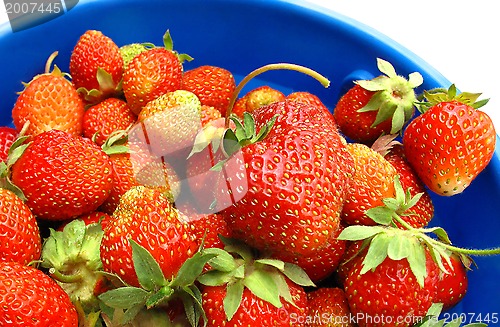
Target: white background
{"type": "Point", "coordinates": [457, 37]}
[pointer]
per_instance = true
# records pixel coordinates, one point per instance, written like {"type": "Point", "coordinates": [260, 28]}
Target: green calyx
{"type": "Point", "coordinates": [169, 45]}
{"type": "Point", "coordinates": [234, 266]}
{"type": "Point", "coordinates": [394, 96]}
{"type": "Point", "coordinates": [438, 95]}
{"type": "Point", "coordinates": [387, 240]}
{"type": "Point", "coordinates": [116, 143]}
{"type": "Point", "coordinates": [72, 257]}
{"type": "Point", "coordinates": [237, 269]}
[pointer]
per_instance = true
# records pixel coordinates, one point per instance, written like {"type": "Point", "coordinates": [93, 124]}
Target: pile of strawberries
{"type": "Point", "coordinates": [135, 191]}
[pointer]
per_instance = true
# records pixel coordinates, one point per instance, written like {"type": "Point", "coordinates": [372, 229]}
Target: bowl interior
{"type": "Point", "coordinates": [243, 35]}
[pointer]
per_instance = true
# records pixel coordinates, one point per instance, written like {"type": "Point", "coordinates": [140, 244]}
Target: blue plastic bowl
{"type": "Point", "coordinates": [243, 35]}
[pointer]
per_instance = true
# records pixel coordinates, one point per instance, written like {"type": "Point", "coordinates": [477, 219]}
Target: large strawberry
{"type": "Point", "coordinates": [213, 85]}
{"type": "Point", "coordinates": [451, 142]}
{"type": "Point", "coordinates": [145, 216]}
{"type": "Point", "coordinates": [49, 101]}
{"type": "Point", "coordinates": [62, 176]}
{"type": "Point", "coordinates": [297, 181]}
{"type": "Point", "coordinates": [382, 105]}
{"type": "Point", "coordinates": [151, 74]}
{"type": "Point", "coordinates": [31, 298]}
{"type": "Point", "coordinates": [20, 238]}
{"type": "Point", "coordinates": [96, 66]}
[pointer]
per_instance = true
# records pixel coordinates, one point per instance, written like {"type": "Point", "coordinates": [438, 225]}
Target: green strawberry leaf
{"type": "Point", "coordinates": [359, 232]}
{"type": "Point", "coordinates": [124, 297]}
{"type": "Point", "coordinates": [262, 285]}
{"type": "Point", "coordinates": [377, 252]}
{"type": "Point", "coordinates": [158, 297]}
{"type": "Point", "coordinates": [382, 215]}
{"type": "Point", "coordinates": [223, 261]}
{"type": "Point", "coordinates": [232, 300]}
{"type": "Point", "coordinates": [417, 261]}
{"type": "Point", "coordinates": [216, 278]}
{"type": "Point", "coordinates": [283, 288]}
{"type": "Point", "coordinates": [278, 264]}
{"type": "Point", "coordinates": [297, 275]}
{"type": "Point", "coordinates": [399, 247]}
{"type": "Point", "coordinates": [192, 268]}
{"type": "Point", "coordinates": [386, 67]}
{"type": "Point", "coordinates": [192, 300]}
{"type": "Point", "coordinates": [148, 271]}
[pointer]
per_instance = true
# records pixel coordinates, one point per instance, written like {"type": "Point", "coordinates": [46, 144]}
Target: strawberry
{"type": "Point", "coordinates": [62, 176]}
{"type": "Point", "coordinates": [323, 262]}
{"type": "Point", "coordinates": [382, 105]}
{"type": "Point", "coordinates": [451, 142]}
{"type": "Point", "coordinates": [49, 101]}
{"type": "Point", "coordinates": [453, 284]}
{"type": "Point", "coordinates": [145, 216]}
{"type": "Point", "coordinates": [213, 85]}
{"type": "Point", "coordinates": [129, 51]}
{"type": "Point", "coordinates": [209, 113]}
{"type": "Point", "coordinates": [7, 136]}
{"type": "Point", "coordinates": [31, 298]}
{"type": "Point", "coordinates": [251, 290]}
{"type": "Point", "coordinates": [306, 97]}
{"type": "Point", "coordinates": [151, 74]}
{"type": "Point", "coordinates": [372, 182]}
{"type": "Point", "coordinates": [297, 178]}
{"type": "Point", "coordinates": [169, 124]}
{"type": "Point", "coordinates": [395, 297]}
{"type": "Point", "coordinates": [20, 238]}
{"type": "Point", "coordinates": [328, 307]}
{"type": "Point", "coordinates": [420, 213]}
{"type": "Point", "coordinates": [256, 98]}
{"type": "Point", "coordinates": [207, 228]}
{"type": "Point", "coordinates": [106, 117]}
{"type": "Point", "coordinates": [253, 311]}
{"type": "Point", "coordinates": [96, 66]}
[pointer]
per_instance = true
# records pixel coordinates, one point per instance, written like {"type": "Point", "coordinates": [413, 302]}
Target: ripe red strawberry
{"type": "Point", "coordinates": [451, 142]}
{"type": "Point", "coordinates": [307, 97]}
{"type": "Point", "coordinates": [7, 136]}
{"type": "Point", "coordinates": [372, 182]}
{"type": "Point", "coordinates": [452, 286]}
{"type": "Point", "coordinates": [213, 85]}
{"type": "Point", "coordinates": [208, 228]}
{"type": "Point", "coordinates": [31, 298]}
{"type": "Point", "coordinates": [253, 311]}
{"type": "Point", "coordinates": [390, 294]}
{"type": "Point", "coordinates": [49, 101]}
{"type": "Point", "coordinates": [297, 181]}
{"type": "Point", "coordinates": [96, 66]}
{"type": "Point", "coordinates": [322, 263]}
{"type": "Point", "coordinates": [256, 98]}
{"type": "Point", "coordinates": [328, 307]}
{"type": "Point", "coordinates": [151, 74]}
{"type": "Point", "coordinates": [62, 176]}
{"type": "Point", "coordinates": [382, 105]}
{"type": "Point", "coordinates": [421, 213]}
{"type": "Point", "coordinates": [20, 239]}
{"type": "Point", "coordinates": [147, 217]}
{"type": "Point", "coordinates": [106, 117]}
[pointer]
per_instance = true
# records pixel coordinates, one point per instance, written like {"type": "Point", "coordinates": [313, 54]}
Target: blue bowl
{"type": "Point", "coordinates": [243, 35]}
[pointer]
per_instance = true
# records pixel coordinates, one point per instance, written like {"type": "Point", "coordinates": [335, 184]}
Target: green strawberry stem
{"type": "Point", "coordinates": [278, 66]}
{"type": "Point", "coordinates": [421, 233]}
